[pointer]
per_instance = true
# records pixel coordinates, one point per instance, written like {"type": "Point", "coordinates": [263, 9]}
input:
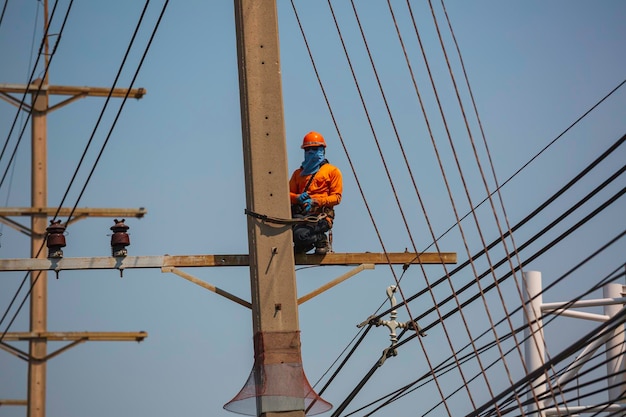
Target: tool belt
{"type": "Point", "coordinates": [298, 210]}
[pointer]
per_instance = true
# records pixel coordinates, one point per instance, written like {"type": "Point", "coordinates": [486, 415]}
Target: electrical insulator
{"type": "Point", "coordinates": [56, 239]}
{"type": "Point", "coordinates": [119, 238]}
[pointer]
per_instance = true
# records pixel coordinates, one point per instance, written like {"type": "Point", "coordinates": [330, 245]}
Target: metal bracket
{"type": "Point", "coordinates": [393, 324]}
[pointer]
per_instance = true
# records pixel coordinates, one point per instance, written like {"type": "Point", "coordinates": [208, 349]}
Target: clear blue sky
{"type": "Point", "coordinates": [534, 68]}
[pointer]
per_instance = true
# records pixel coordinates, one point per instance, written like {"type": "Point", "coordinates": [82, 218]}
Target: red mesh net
{"type": "Point", "coordinates": [275, 387]}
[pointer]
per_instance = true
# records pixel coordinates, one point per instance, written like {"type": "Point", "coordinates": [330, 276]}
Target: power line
{"type": "Point", "coordinates": [4, 9]}
{"type": "Point", "coordinates": [538, 210]}
{"type": "Point", "coordinates": [104, 107]}
{"type": "Point", "coordinates": [503, 235]}
{"type": "Point", "coordinates": [32, 47]}
{"type": "Point", "coordinates": [95, 163]}
{"type": "Point", "coordinates": [34, 281]}
{"type": "Point", "coordinates": [429, 326]}
{"type": "Point", "coordinates": [39, 87]}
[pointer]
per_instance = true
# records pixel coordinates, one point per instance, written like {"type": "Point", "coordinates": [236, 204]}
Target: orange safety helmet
{"type": "Point", "coordinates": [313, 139]}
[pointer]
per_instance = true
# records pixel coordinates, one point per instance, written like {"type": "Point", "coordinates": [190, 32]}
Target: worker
{"type": "Point", "coordinates": [314, 189]}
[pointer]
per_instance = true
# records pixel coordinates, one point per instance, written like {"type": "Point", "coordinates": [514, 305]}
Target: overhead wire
{"type": "Point", "coordinates": [601, 407]}
{"type": "Point", "coordinates": [358, 87]}
{"type": "Point", "coordinates": [410, 387]}
{"type": "Point", "coordinates": [443, 118]}
{"type": "Point", "coordinates": [546, 247]}
{"type": "Point", "coordinates": [551, 200]}
{"type": "Point", "coordinates": [106, 140]}
{"type": "Point", "coordinates": [586, 198]}
{"type": "Point", "coordinates": [30, 64]}
{"type": "Point", "coordinates": [119, 111]}
{"type": "Point", "coordinates": [552, 316]}
{"type": "Point", "coordinates": [4, 9]}
{"type": "Point", "coordinates": [484, 180]}
{"type": "Point", "coordinates": [382, 158]}
{"type": "Point", "coordinates": [319, 80]}
{"type": "Point", "coordinates": [330, 108]}
{"type": "Point", "coordinates": [48, 62]}
{"type": "Point", "coordinates": [540, 233]}
{"type": "Point", "coordinates": [397, 393]}
{"type": "Point", "coordinates": [535, 156]}
{"type": "Point", "coordinates": [36, 94]}
{"type": "Point", "coordinates": [365, 108]}
{"type": "Point", "coordinates": [535, 255]}
{"type": "Point", "coordinates": [609, 326]}
{"type": "Point", "coordinates": [611, 277]}
{"type": "Point", "coordinates": [443, 368]}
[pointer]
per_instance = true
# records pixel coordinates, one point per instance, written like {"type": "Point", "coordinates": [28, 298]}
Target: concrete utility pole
{"type": "Point", "coordinates": [272, 274]}
{"type": "Point", "coordinates": [38, 338]}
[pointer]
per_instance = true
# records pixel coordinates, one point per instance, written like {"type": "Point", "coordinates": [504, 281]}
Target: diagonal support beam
{"type": "Point", "coordinates": [206, 285]}
{"type": "Point", "coordinates": [334, 282]}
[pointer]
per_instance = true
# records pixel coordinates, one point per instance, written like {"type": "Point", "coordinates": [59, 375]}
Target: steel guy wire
{"type": "Point", "coordinates": [332, 115]}
{"type": "Point", "coordinates": [429, 326]}
{"type": "Point", "coordinates": [531, 160]}
{"type": "Point", "coordinates": [385, 165]}
{"type": "Point", "coordinates": [550, 245]}
{"type": "Point", "coordinates": [553, 316]}
{"type": "Point", "coordinates": [436, 150]}
{"type": "Point", "coordinates": [533, 238]}
{"type": "Point", "coordinates": [609, 325]}
{"type": "Point", "coordinates": [382, 92]}
{"type": "Point", "coordinates": [322, 86]}
{"type": "Point", "coordinates": [465, 187]}
{"type": "Point", "coordinates": [610, 278]}
{"type": "Point", "coordinates": [524, 390]}
{"type": "Point", "coordinates": [545, 396]}
{"type": "Point", "coordinates": [472, 142]}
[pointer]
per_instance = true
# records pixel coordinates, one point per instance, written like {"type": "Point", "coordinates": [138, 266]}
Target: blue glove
{"type": "Point", "coordinates": [306, 205]}
{"type": "Point", "coordinates": [303, 197]}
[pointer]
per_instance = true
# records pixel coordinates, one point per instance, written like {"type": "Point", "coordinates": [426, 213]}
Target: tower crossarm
{"type": "Point", "coordinates": [180, 261]}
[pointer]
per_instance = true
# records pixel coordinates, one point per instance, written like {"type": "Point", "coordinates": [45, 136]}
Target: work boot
{"type": "Point", "coordinates": [321, 246]}
{"type": "Point", "coordinates": [301, 250]}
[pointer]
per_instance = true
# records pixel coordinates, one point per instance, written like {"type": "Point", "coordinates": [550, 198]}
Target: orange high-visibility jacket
{"type": "Point", "coordinates": [326, 187]}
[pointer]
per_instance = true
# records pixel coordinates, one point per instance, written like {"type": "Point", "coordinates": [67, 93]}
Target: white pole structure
{"type": "Point", "coordinates": [614, 346]}
{"type": "Point", "coordinates": [534, 345]}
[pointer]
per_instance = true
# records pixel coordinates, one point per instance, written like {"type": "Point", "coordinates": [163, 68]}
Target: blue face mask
{"type": "Point", "coordinates": [313, 158]}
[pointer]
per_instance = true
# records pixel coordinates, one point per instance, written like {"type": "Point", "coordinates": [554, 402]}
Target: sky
{"type": "Point", "coordinates": [534, 69]}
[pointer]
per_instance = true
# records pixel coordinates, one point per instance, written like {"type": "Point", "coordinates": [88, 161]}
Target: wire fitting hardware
{"type": "Point", "coordinates": [392, 324]}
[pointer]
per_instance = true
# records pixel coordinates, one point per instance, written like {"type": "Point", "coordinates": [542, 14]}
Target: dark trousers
{"type": "Point", "coordinates": [306, 235]}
